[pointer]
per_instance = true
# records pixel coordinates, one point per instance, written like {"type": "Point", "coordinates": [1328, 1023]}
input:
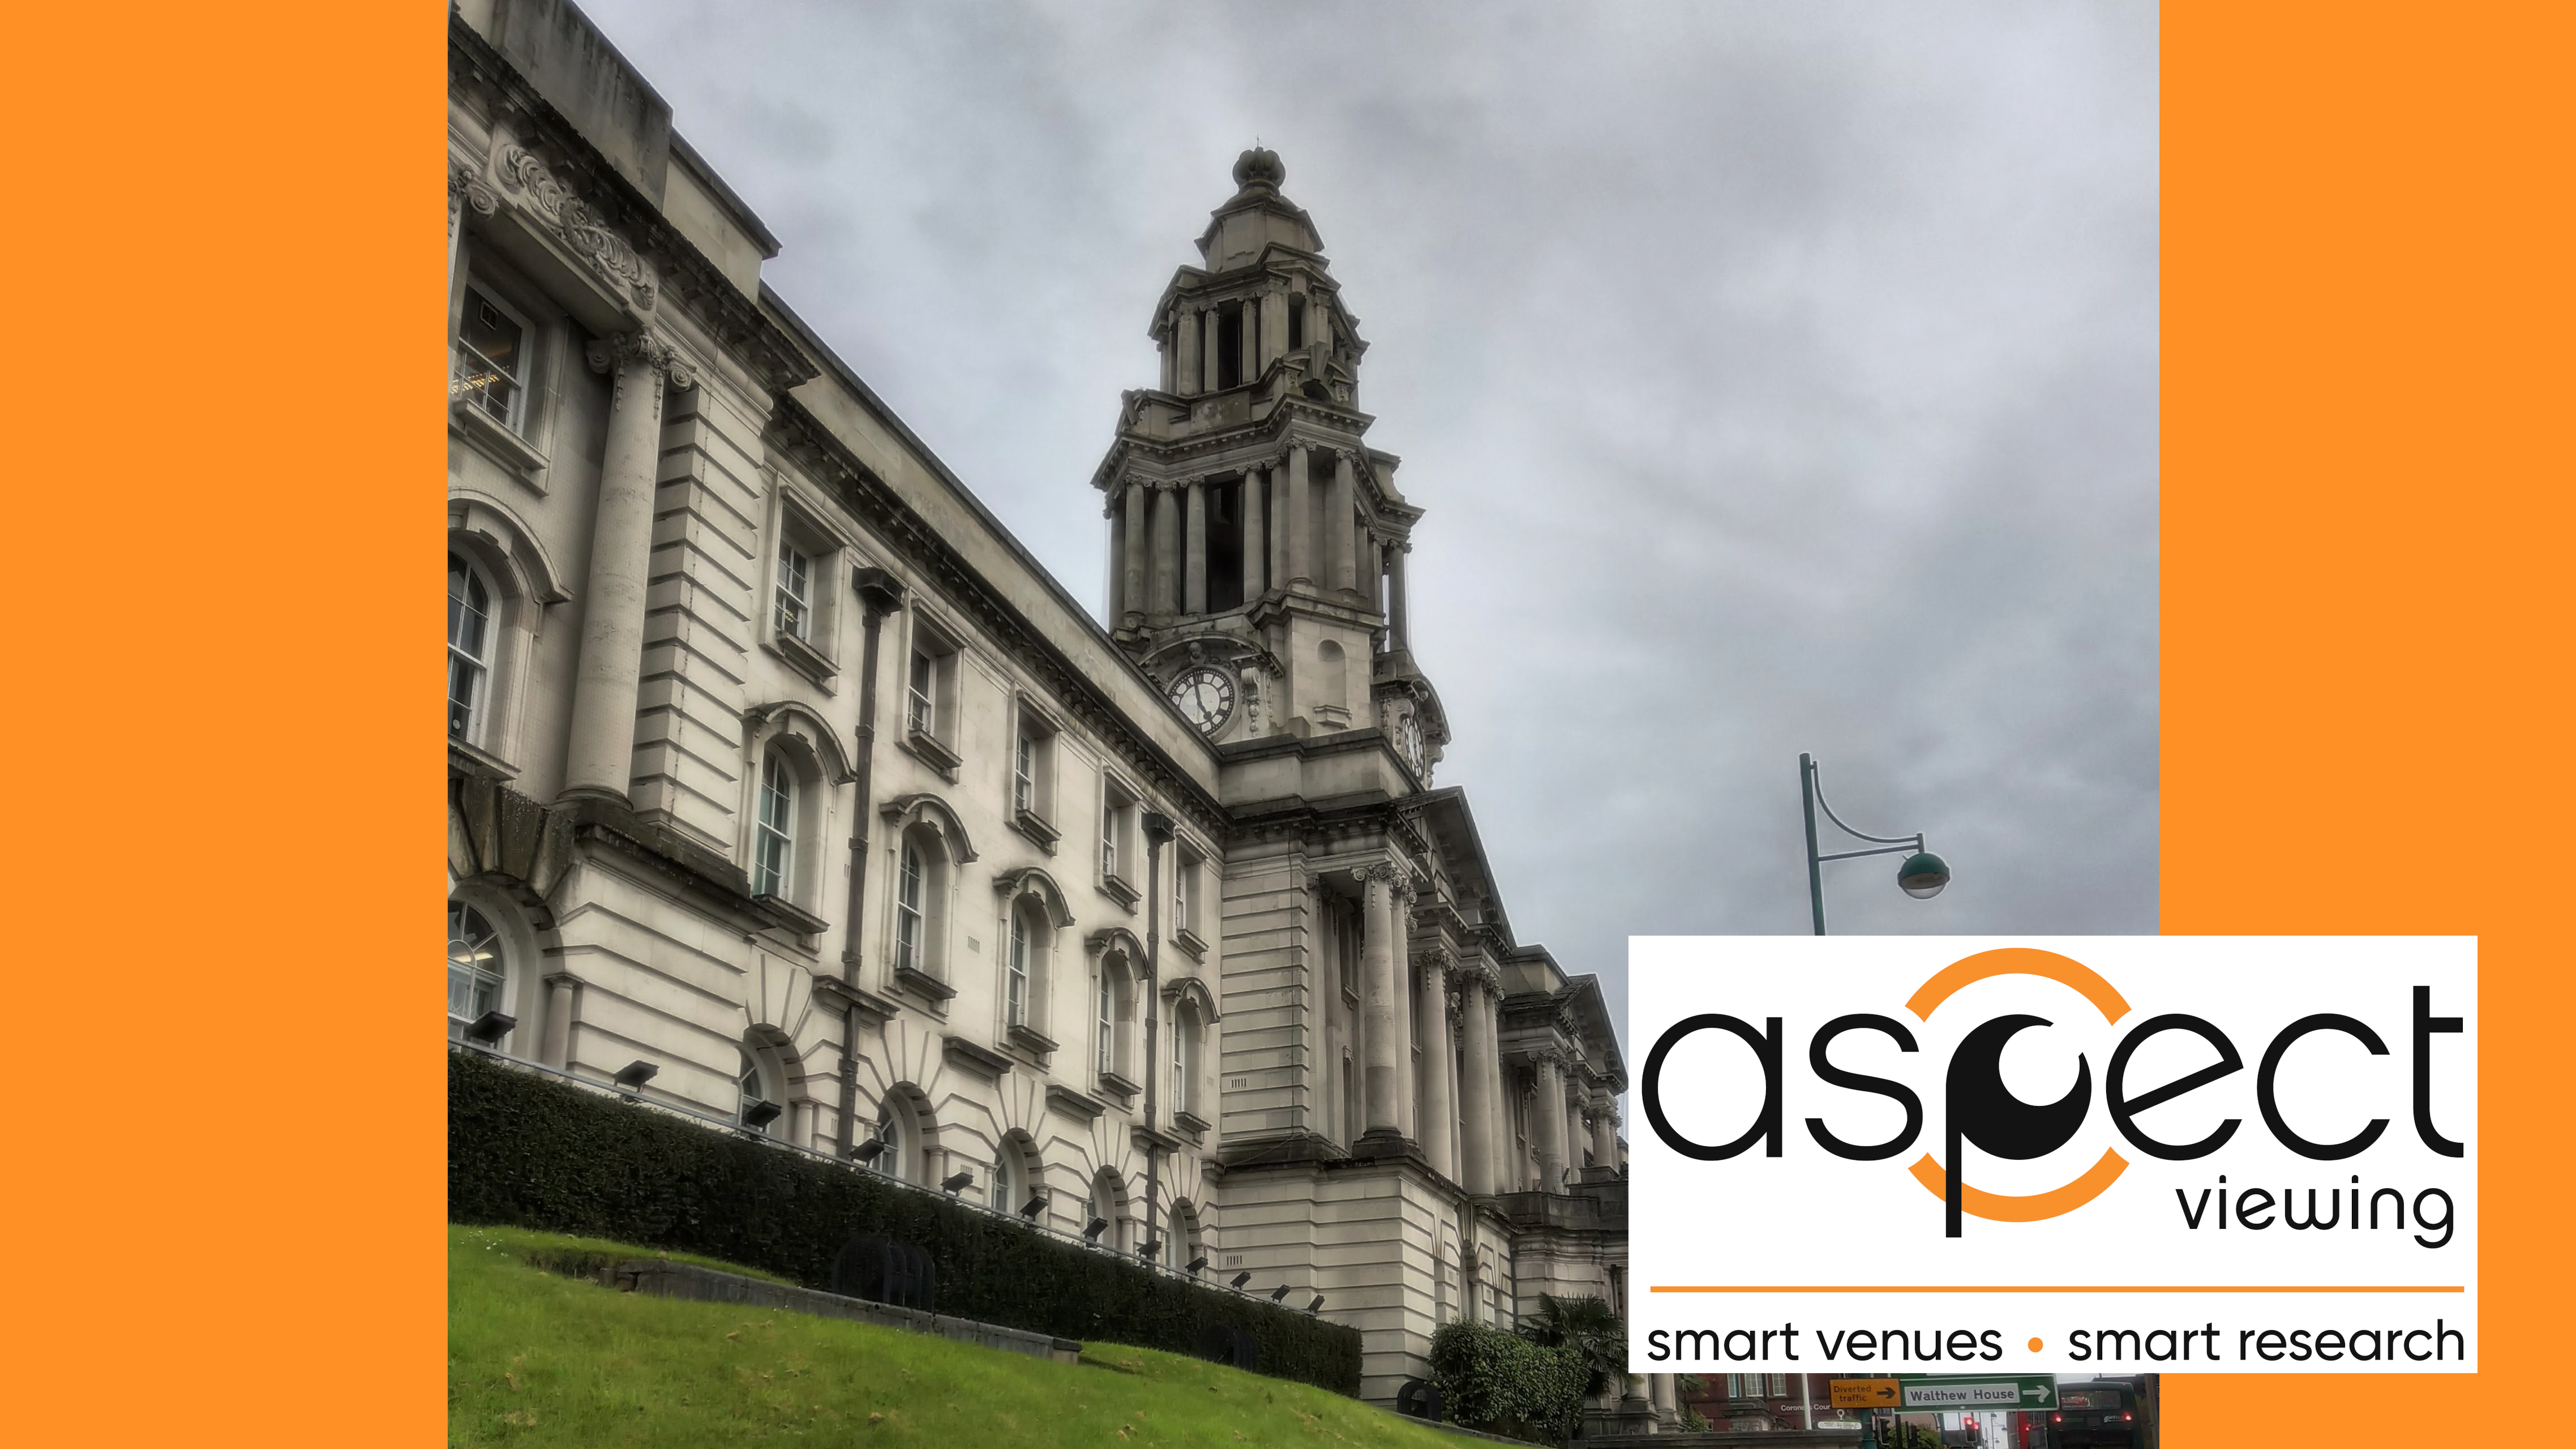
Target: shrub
{"type": "Point", "coordinates": [529, 1151]}
{"type": "Point", "coordinates": [1507, 1382]}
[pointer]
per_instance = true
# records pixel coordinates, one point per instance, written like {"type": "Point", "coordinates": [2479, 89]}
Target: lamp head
{"type": "Point", "coordinates": [756, 1115]}
{"type": "Point", "coordinates": [1242, 1278]}
{"type": "Point", "coordinates": [1922, 875]}
{"type": "Point", "coordinates": [636, 1073]}
{"type": "Point", "coordinates": [1093, 1229]}
{"type": "Point", "coordinates": [1280, 1294]}
{"type": "Point", "coordinates": [1316, 1306]}
{"type": "Point", "coordinates": [1199, 1263]}
{"type": "Point", "coordinates": [490, 1027]}
{"type": "Point", "coordinates": [955, 1182]}
{"type": "Point", "coordinates": [1034, 1206]}
{"type": "Point", "coordinates": [868, 1151]}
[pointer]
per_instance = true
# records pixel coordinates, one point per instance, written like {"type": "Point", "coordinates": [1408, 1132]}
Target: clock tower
{"type": "Point", "coordinates": [1257, 541]}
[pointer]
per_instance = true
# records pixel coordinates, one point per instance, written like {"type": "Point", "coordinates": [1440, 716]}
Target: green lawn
{"type": "Point", "coordinates": [535, 1359]}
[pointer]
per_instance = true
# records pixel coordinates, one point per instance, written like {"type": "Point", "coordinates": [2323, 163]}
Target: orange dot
{"type": "Point", "coordinates": [2034, 1345]}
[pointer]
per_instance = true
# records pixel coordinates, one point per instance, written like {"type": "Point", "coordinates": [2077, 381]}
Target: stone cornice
{"type": "Point", "coordinates": [612, 203]}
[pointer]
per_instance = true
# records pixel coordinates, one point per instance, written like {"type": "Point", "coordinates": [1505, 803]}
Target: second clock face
{"type": "Point", "coordinates": [1205, 697]}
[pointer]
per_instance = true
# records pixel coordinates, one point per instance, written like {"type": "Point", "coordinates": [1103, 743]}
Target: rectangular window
{"type": "Point", "coordinates": [1024, 774]}
{"type": "Point", "coordinates": [921, 714]}
{"type": "Point", "coordinates": [795, 609]}
{"type": "Point", "coordinates": [1183, 870]}
{"type": "Point", "coordinates": [491, 358]}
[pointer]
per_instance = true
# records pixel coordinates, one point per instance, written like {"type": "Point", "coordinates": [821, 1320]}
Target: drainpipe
{"type": "Point", "coordinates": [879, 595]}
{"type": "Point", "coordinates": [1158, 833]}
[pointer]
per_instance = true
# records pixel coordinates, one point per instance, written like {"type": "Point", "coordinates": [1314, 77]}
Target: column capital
{"type": "Point", "coordinates": [1383, 870]}
{"type": "Point", "coordinates": [618, 350]}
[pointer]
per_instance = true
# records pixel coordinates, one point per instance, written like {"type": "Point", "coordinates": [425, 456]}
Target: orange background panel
{"type": "Point", "coordinates": [224, 381]}
{"type": "Point", "coordinates": [2367, 494]}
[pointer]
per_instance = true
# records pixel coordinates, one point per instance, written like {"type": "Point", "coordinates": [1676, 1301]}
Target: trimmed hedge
{"type": "Point", "coordinates": [529, 1151]}
{"type": "Point", "coordinates": [1507, 1383]}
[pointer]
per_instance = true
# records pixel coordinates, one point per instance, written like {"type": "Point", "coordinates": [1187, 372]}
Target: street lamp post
{"type": "Point", "coordinates": [1921, 875]}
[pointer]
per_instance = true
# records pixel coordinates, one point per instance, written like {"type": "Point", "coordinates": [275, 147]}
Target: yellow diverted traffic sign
{"type": "Point", "coordinates": [1864, 1393]}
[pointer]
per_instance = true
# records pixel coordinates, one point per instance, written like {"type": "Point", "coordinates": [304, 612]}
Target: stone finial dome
{"type": "Point", "coordinates": [1259, 166]}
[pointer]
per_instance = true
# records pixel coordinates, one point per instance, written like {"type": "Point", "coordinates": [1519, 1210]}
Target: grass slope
{"type": "Point", "coordinates": [534, 1359]}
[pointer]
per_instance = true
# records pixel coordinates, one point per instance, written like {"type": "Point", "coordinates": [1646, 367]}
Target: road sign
{"type": "Point", "coordinates": [1977, 1391]}
{"type": "Point", "coordinates": [1864, 1393]}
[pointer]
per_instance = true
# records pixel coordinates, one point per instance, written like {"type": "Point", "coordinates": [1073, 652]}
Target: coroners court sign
{"type": "Point", "coordinates": [2098, 1154]}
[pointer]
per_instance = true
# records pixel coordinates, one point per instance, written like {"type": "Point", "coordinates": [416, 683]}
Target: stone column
{"type": "Point", "coordinates": [1248, 328]}
{"type": "Point", "coordinates": [1300, 529]}
{"type": "Point", "coordinates": [1605, 1134]}
{"type": "Point", "coordinates": [1395, 553]}
{"type": "Point", "coordinates": [1167, 552]}
{"type": "Point", "coordinates": [1550, 1115]}
{"type": "Point", "coordinates": [1379, 1001]}
{"type": "Point", "coordinates": [1194, 535]}
{"type": "Point", "coordinates": [1477, 1085]}
{"type": "Point", "coordinates": [1278, 525]}
{"type": "Point", "coordinates": [1433, 1131]}
{"type": "Point", "coordinates": [1207, 350]}
{"type": "Point", "coordinates": [1274, 326]}
{"type": "Point", "coordinates": [1138, 536]}
{"type": "Point", "coordinates": [1666, 1397]}
{"type": "Point", "coordinates": [1374, 555]}
{"type": "Point", "coordinates": [1254, 555]}
{"type": "Point", "coordinates": [562, 1001]}
{"type": "Point", "coordinates": [600, 754]}
{"type": "Point", "coordinates": [1400, 930]}
{"type": "Point", "coordinates": [1340, 517]}
{"type": "Point", "coordinates": [1185, 347]}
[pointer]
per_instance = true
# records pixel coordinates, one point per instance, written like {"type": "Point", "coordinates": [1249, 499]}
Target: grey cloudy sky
{"type": "Point", "coordinates": [1777, 377]}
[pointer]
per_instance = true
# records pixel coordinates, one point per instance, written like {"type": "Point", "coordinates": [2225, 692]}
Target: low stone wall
{"type": "Point", "coordinates": [1844, 1438]}
{"type": "Point", "coordinates": [664, 1279]}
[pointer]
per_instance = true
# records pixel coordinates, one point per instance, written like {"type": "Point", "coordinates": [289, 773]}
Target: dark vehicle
{"type": "Point", "coordinates": [2090, 1416]}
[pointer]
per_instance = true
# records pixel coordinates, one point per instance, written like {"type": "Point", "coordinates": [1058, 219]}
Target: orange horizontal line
{"type": "Point", "coordinates": [2053, 1288]}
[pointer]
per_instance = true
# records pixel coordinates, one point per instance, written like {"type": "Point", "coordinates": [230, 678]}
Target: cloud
{"type": "Point", "coordinates": [1777, 378]}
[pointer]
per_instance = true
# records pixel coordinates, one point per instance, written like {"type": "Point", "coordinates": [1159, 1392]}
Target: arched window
{"type": "Point", "coordinates": [901, 1132]}
{"type": "Point", "coordinates": [749, 1095]}
{"type": "Point", "coordinates": [1106, 1009]}
{"type": "Point", "coordinates": [1180, 1237]}
{"type": "Point", "coordinates": [1105, 1196]}
{"type": "Point", "coordinates": [907, 908]}
{"type": "Point", "coordinates": [1016, 994]}
{"type": "Point", "coordinates": [469, 649]}
{"type": "Point", "coordinates": [1015, 1176]}
{"type": "Point", "coordinates": [773, 850]}
{"type": "Point", "coordinates": [475, 967]}
{"type": "Point", "coordinates": [475, 973]}
{"type": "Point", "coordinates": [1187, 1034]}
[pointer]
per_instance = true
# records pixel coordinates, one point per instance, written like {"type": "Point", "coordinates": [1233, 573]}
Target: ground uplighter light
{"type": "Point", "coordinates": [490, 1027]}
{"type": "Point", "coordinates": [636, 1073]}
{"type": "Point", "coordinates": [1034, 1206]}
{"type": "Point", "coordinates": [1242, 1278]}
{"type": "Point", "coordinates": [955, 1182]}
{"type": "Point", "coordinates": [867, 1151]}
{"type": "Point", "coordinates": [1281, 1295]}
{"type": "Point", "coordinates": [1198, 1264]}
{"type": "Point", "coordinates": [1151, 1250]}
{"type": "Point", "coordinates": [1922, 875]}
{"type": "Point", "coordinates": [1316, 1306]}
{"type": "Point", "coordinates": [760, 1114]}
{"type": "Point", "coordinates": [1095, 1228]}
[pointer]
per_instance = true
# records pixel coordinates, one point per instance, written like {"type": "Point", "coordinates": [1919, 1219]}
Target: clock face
{"type": "Point", "coordinates": [1413, 742]}
{"type": "Point", "coordinates": [1205, 697]}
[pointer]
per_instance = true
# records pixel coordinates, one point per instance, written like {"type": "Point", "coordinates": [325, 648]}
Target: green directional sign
{"type": "Point", "coordinates": [1978, 1391]}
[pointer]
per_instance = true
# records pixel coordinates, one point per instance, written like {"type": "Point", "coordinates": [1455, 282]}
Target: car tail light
{"type": "Point", "coordinates": [2057, 1418]}
{"type": "Point", "coordinates": [2128, 1416]}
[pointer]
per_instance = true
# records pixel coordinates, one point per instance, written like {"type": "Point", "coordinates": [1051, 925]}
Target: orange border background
{"type": "Point", "coordinates": [225, 247]}
{"type": "Point", "coordinates": [2367, 495]}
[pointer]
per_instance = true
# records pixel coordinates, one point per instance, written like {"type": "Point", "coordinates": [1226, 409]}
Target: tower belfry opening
{"type": "Point", "coordinates": [1253, 528]}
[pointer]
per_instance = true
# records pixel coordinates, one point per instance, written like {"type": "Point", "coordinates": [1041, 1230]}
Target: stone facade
{"type": "Point", "coordinates": [776, 764]}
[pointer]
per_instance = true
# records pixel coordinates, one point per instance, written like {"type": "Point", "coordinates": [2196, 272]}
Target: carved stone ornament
{"type": "Point", "coordinates": [467, 187]}
{"type": "Point", "coordinates": [527, 180]}
{"type": "Point", "coordinates": [612, 354]}
{"type": "Point", "coordinates": [1384, 870]}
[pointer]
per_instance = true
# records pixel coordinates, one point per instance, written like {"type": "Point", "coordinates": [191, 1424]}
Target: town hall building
{"type": "Point", "coordinates": [790, 792]}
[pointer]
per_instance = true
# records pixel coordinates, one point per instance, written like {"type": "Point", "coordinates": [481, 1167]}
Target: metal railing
{"type": "Point", "coordinates": [734, 1128]}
